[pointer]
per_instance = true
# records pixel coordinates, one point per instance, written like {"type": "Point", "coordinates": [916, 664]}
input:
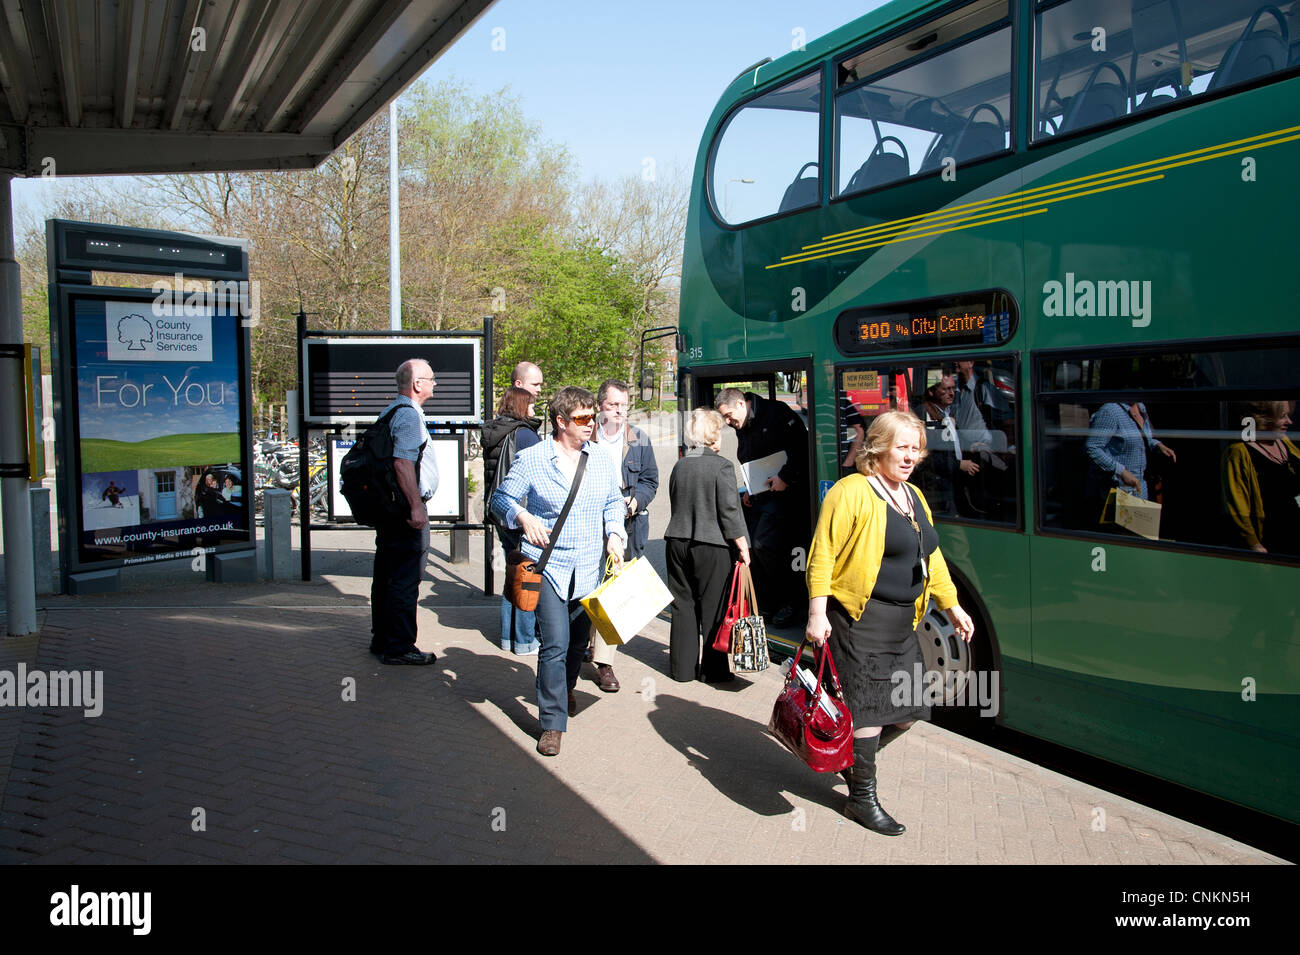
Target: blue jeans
{"type": "Point", "coordinates": [518, 628]}
{"type": "Point", "coordinates": [564, 641]}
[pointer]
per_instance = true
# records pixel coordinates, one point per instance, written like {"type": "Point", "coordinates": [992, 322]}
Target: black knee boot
{"type": "Point", "coordinates": [863, 807]}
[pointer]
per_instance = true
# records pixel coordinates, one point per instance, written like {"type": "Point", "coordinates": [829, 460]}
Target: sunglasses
{"type": "Point", "coordinates": [583, 418]}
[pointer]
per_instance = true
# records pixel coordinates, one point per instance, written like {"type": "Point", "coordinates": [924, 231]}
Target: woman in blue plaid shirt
{"type": "Point", "coordinates": [543, 475]}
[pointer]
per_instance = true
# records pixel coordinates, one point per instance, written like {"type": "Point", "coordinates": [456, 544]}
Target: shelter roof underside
{"type": "Point", "coordinates": [155, 86]}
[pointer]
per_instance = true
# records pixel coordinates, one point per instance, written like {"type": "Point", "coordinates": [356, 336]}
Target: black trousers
{"type": "Point", "coordinates": [777, 525]}
{"type": "Point", "coordinates": [400, 553]}
{"type": "Point", "coordinates": [698, 575]}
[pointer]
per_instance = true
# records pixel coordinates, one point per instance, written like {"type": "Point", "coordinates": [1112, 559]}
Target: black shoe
{"type": "Point", "coordinates": [412, 658]}
{"type": "Point", "coordinates": [863, 806]}
{"type": "Point", "coordinates": [573, 704]}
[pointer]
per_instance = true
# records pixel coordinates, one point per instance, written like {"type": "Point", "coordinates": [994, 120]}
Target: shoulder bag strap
{"type": "Point", "coordinates": [749, 598]}
{"type": "Point", "coordinates": [568, 505]}
{"type": "Point", "coordinates": [734, 596]}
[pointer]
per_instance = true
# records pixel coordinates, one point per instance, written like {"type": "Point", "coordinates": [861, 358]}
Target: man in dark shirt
{"type": "Point", "coordinates": [777, 513]}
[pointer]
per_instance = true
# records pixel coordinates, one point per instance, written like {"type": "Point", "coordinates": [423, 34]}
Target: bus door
{"type": "Point", "coordinates": [779, 569]}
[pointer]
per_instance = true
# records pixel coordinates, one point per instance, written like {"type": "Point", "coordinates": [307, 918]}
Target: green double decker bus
{"type": "Point", "coordinates": [1061, 233]}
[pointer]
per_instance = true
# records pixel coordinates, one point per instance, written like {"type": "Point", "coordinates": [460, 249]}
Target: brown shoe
{"type": "Point", "coordinates": [573, 704]}
{"type": "Point", "coordinates": [608, 682]}
{"type": "Point", "coordinates": [549, 744]}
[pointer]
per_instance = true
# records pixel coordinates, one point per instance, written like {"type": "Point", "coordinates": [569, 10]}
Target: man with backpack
{"type": "Point", "coordinates": [402, 542]}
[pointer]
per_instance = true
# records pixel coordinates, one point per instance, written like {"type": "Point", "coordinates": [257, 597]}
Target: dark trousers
{"type": "Point", "coordinates": [563, 642]}
{"type": "Point", "coordinates": [698, 576]}
{"type": "Point", "coordinates": [400, 552]}
{"type": "Point", "coordinates": [777, 525]}
{"type": "Point", "coordinates": [638, 534]}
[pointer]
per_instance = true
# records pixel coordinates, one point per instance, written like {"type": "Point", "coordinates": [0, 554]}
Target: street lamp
{"type": "Point", "coordinates": [726, 202]}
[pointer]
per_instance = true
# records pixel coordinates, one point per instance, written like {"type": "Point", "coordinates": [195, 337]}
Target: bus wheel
{"type": "Point", "coordinates": [944, 653]}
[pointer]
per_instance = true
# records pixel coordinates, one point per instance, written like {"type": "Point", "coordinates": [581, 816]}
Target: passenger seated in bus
{"type": "Point", "coordinates": [1261, 478]}
{"type": "Point", "coordinates": [937, 472]}
{"type": "Point", "coordinates": [851, 422]}
{"type": "Point", "coordinates": [986, 485]}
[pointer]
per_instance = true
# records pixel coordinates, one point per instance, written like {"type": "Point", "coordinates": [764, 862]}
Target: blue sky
{"type": "Point", "coordinates": [617, 81]}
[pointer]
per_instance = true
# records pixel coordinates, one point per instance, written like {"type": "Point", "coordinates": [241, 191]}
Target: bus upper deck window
{"type": "Point", "coordinates": [766, 157]}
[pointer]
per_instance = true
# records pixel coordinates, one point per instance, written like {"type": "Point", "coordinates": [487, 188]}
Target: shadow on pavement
{"type": "Point", "coordinates": [739, 758]}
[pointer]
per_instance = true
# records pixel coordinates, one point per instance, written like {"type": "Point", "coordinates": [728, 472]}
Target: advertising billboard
{"type": "Point", "coordinates": [158, 415]}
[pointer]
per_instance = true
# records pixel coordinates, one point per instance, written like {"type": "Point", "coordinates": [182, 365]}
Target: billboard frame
{"type": "Point", "coordinates": [71, 281]}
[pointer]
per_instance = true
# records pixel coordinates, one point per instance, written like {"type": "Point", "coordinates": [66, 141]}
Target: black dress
{"type": "Point", "coordinates": [878, 656]}
{"type": "Point", "coordinates": [1279, 491]}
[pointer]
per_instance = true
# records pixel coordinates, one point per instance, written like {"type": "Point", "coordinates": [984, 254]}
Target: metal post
{"type": "Point", "coordinates": [394, 228]}
{"type": "Point", "coordinates": [20, 571]}
{"type": "Point", "coordinates": [489, 355]}
{"type": "Point", "coordinates": [304, 489]}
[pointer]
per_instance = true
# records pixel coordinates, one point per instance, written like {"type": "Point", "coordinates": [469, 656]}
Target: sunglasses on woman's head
{"type": "Point", "coordinates": [583, 418]}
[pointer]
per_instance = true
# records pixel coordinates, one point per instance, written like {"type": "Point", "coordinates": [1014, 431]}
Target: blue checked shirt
{"type": "Point", "coordinates": [1116, 444]}
{"type": "Point", "coordinates": [578, 557]}
{"type": "Point", "coordinates": [409, 435]}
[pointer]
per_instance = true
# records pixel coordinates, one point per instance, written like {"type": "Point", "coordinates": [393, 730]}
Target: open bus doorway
{"type": "Point", "coordinates": [772, 451]}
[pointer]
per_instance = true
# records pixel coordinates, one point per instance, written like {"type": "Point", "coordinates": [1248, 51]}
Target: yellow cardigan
{"type": "Point", "coordinates": [849, 543]}
{"type": "Point", "coordinates": [1241, 494]}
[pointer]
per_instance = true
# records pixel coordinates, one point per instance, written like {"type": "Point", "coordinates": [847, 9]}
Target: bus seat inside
{"type": "Point", "coordinates": [1099, 101]}
{"type": "Point", "coordinates": [1257, 52]}
{"type": "Point", "coordinates": [803, 191]}
{"type": "Point", "coordinates": [980, 139]}
{"type": "Point", "coordinates": [881, 167]}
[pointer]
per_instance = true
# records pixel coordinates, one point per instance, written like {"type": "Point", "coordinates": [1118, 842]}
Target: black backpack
{"type": "Point", "coordinates": [367, 479]}
{"type": "Point", "coordinates": [505, 459]}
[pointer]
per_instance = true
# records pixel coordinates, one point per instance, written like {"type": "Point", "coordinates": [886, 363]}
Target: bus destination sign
{"type": "Point", "coordinates": [980, 318]}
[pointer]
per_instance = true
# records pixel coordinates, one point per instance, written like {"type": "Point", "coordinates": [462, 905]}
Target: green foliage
{"type": "Point", "coordinates": [579, 314]}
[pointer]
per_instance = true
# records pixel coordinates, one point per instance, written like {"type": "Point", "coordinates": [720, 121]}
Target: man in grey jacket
{"type": "Point", "coordinates": [630, 449]}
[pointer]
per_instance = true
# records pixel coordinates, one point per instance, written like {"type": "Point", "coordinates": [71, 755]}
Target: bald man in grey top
{"type": "Point", "coordinates": [401, 544]}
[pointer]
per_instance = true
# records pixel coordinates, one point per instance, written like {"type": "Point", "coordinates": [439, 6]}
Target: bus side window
{"type": "Point", "coordinates": [1100, 61]}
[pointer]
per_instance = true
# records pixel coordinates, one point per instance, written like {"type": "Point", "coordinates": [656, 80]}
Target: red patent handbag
{"type": "Point", "coordinates": [823, 741]}
{"type": "Point", "coordinates": [736, 610]}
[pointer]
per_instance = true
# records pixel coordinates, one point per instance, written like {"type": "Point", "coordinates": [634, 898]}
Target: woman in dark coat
{"type": "Point", "coordinates": [705, 515]}
{"type": "Point", "coordinates": [513, 429]}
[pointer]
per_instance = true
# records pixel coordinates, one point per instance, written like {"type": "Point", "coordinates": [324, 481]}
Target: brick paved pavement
{"type": "Point", "coordinates": [231, 700]}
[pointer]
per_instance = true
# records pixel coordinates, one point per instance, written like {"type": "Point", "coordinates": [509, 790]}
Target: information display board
{"type": "Point", "coordinates": [157, 437]}
{"type": "Point", "coordinates": [350, 380]}
{"type": "Point", "coordinates": [448, 502]}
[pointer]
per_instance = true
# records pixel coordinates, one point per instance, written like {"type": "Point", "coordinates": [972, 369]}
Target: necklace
{"type": "Point", "coordinates": [908, 512]}
{"type": "Point", "coordinates": [1273, 451]}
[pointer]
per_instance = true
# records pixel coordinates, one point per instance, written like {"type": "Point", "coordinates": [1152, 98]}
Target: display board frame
{"type": "Point", "coordinates": [376, 386]}
{"type": "Point", "coordinates": [210, 360]}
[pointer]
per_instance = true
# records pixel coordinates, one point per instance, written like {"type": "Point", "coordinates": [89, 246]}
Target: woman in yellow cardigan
{"type": "Point", "coordinates": [872, 568]}
{"type": "Point", "coordinates": [1262, 477]}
